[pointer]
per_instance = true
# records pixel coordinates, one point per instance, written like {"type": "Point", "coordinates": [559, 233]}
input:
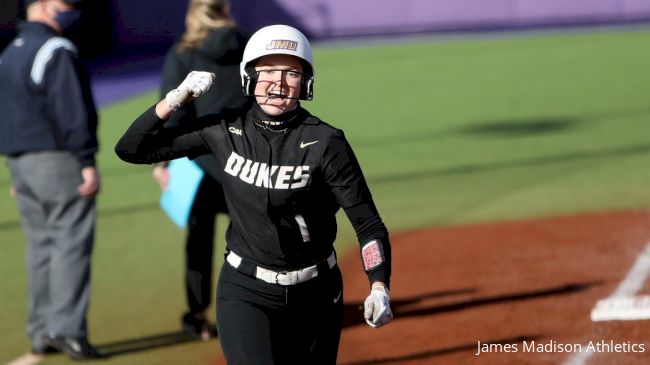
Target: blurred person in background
{"type": "Point", "coordinates": [48, 133]}
{"type": "Point", "coordinates": [211, 42]}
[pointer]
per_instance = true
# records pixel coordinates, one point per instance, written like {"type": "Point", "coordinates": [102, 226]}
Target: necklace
{"type": "Point", "coordinates": [271, 126]}
{"type": "Point", "coordinates": [270, 122]}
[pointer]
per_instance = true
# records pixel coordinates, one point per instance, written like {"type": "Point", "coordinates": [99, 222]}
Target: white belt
{"type": "Point", "coordinates": [285, 277]}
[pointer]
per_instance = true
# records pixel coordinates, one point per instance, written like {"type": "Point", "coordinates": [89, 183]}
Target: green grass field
{"type": "Point", "coordinates": [447, 133]}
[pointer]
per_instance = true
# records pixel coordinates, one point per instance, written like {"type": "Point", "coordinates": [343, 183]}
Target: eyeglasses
{"type": "Point", "coordinates": [290, 77]}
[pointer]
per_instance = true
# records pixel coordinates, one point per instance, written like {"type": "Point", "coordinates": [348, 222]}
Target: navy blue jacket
{"type": "Point", "coordinates": [46, 102]}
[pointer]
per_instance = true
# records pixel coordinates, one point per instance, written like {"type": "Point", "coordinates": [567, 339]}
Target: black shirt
{"type": "Point", "coordinates": [220, 53]}
{"type": "Point", "coordinates": [282, 193]}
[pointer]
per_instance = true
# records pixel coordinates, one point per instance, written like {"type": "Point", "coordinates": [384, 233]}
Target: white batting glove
{"type": "Point", "coordinates": [195, 84]}
{"type": "Point", "coordinates": [377, 307]}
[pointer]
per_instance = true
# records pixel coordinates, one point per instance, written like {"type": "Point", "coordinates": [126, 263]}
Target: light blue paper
{"type": "Point", "coordinates": [184, 179]}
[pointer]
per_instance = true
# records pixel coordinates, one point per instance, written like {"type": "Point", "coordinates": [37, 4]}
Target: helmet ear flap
{"type": "Point", "coordinates": [249, 81]}
{"type": "Point", "coordinates": [307, 88]}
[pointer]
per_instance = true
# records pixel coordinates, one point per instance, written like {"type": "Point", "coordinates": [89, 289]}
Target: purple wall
{"type": "Point", "coordinates": [323, 18]}
{"type": "Point", "coordinates": [138, 23]}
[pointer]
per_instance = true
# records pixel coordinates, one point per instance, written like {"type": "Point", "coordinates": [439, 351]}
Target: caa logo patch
{"type": "Point", "coordinates": [234, 130]}
{"type": "Point", "coordinates": [282, 44]}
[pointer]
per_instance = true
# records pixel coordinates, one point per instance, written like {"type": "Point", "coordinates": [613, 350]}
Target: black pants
{"type": "Point", "coordinates": [264, 324]}
{"type": "Point", "coordinates": [199, 246]}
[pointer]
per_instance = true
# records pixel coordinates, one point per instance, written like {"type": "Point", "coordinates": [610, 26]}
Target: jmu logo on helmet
{"type": "Point", "coordinates": [282, 44]}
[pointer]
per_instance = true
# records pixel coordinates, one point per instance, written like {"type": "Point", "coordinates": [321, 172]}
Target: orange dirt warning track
{"type": "Point", "coordinates": [505, 283]}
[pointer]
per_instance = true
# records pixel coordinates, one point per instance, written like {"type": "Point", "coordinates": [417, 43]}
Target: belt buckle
{"type": "Point", "coordinates": [286, 278]}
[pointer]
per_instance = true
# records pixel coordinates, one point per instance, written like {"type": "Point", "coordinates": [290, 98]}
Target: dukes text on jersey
{"type": "Point", "coordinates": [261, 174]}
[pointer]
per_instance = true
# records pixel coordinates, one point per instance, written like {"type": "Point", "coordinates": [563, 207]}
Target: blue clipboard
{"type": "Point", "coordinates": [184, 179]}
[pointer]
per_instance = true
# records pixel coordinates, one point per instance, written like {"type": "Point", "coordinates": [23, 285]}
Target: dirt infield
{"type": "Point", "coordinates": [502, 283]}
{"type": "Point", "coordinates": [516, 283]}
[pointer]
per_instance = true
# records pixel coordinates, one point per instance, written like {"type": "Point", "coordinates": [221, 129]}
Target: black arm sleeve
{"type": "Point", "coordinates": [146, 141]}
{"type": "Point", "coordinates": [345, 178]}
{"type": "Point", "coordinates": [369, 227]}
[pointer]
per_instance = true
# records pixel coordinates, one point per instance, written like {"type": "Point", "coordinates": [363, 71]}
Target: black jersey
{"type": "Point", "coordinates": [282, 193]}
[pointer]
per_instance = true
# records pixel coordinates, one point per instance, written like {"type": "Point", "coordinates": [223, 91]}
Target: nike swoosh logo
{"type": "Point", "coordinates": [303, 144]}
{"type": "Point", "coordinates": [338, 297]}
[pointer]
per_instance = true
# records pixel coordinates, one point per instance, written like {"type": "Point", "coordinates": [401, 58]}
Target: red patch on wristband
{"type": "Point", "coordinates": [372, 255]}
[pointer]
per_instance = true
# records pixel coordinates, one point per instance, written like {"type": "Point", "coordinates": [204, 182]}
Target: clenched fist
{"type": "Point", "coordinates": [195, 84]}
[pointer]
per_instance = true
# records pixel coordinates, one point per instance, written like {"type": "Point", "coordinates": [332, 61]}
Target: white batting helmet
{"type": "Point", "coordinates": [278, 39]}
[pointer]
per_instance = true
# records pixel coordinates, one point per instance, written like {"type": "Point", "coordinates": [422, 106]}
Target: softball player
{"type": "Point", "coordinates": [285, 173]}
